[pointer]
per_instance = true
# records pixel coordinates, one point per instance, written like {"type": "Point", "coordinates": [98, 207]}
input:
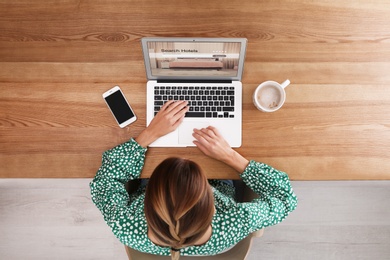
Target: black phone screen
{"type": "Point", "coordinates": [119, 107]}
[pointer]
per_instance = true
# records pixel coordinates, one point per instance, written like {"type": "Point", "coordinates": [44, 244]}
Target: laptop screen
{"type": "Point", "coordinates": [199, 58]}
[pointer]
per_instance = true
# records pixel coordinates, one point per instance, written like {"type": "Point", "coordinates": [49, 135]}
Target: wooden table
{"type": "Point", "coordinates": [58, 57]}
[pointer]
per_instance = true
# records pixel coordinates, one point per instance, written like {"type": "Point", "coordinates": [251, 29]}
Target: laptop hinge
{"type": "Point", "coordinates": [225, 81]}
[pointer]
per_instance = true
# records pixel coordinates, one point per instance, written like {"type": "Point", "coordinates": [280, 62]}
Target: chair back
{"type": "Point", "coordinates": [238, 252]}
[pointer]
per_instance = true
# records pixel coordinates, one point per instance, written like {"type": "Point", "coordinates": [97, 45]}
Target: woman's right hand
{"type": "Point", "coordinates": [212, 144]}
{"type": "Point", "coordinates": [167, 120]}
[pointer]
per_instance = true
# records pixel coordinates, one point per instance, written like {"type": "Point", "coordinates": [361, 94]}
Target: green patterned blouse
{"type": "Point", "coordinates": [231, 223]}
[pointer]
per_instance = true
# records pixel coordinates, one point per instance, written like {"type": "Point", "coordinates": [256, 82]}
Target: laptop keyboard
{"type": "Point", "coordinates": [203, 101]}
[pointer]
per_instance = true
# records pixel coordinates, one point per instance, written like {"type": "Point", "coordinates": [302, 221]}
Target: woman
{"type": "Point", "coordinates": [179, 211]}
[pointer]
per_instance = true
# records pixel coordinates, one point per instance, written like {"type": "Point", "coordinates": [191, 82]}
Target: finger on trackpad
{"type": "Point", "coordinates": [186, 129]}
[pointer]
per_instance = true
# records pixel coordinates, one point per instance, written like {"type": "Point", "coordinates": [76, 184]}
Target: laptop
{"type": "Point", "coordinates": [204, 71]}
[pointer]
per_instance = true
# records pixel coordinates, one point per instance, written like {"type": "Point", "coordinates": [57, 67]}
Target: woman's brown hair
{"type": "Point", "coordinates": [179, 204]}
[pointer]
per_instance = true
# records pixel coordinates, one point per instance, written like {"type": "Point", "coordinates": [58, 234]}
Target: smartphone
{"type": "Point", "coordinates": [119, 106]}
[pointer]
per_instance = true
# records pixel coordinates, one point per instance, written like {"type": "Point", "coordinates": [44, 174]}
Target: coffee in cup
{"type": "Point", "coordinates": [269, 96]}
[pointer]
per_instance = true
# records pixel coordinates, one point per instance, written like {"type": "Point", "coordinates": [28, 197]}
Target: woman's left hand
{"type": "Point", "coordinates": [167, 120]}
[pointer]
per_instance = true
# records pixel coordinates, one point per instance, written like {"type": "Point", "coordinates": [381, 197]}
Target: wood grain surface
{"type": "Point", "coordinates": [58, 57]}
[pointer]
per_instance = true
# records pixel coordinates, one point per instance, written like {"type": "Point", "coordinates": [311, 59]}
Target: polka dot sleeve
{"type": "Point", "coordinates": [119, 165]}
{"type": "Point", "coordinates": [276, 196]}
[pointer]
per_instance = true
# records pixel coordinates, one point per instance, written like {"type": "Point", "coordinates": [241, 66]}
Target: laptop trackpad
{"type": "Point", "coordinates": [187, 128]}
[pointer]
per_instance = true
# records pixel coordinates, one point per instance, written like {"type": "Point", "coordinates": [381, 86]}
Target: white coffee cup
{"type": "Point", "coordinates": [269, 96]}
